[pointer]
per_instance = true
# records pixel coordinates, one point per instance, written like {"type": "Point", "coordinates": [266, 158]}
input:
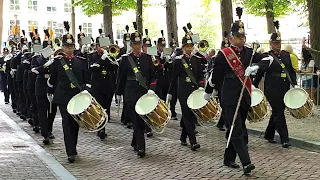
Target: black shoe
{"type": "Point", "coordinates": [71, 159]}
{"type": "Point", "coordinates": [6, 102]}
{"type": "Point", "coordinates": [102, 135]}
{"type": "Point", "coordinates": [198, 124]}
{"type": "Point", "coordinates": [183, 142]}
{"type": "Point", "coordinates": [141, 153]}
{"type": "Point", "coordinates": [221, 128]}
{"type": "Point", "coordinates": [272, 141]}
{"type": "Point", "coordinates": [196, 132]}
{"type": "Point", "coordinates": [149, 134]}
{"type": "Point", "coordinates": [195, 147]}
{"type": "Point", "coordinates": [46, 141]}
{"type": "Point", "coordinates": [248, 168]}
{"type": "Point", "coordinates": [174, 118]}
{"type": "Point", "coordinates": [51, 136]}
{"type": "Point", "coordinates": [30, 121]}
{"type": "Point", "coordinates": [36, 129]}
{"type": "Point", "coordinates": [231, 164]}
{"type": "Point", "coordinates": [135, 148]}
{"type": "Point", "coordinates": [286, 144]}
{"type": "Point", "coordinates": [23, 117]}
{"type": "Point", "coordinates": [129, 125]}
{"type": "Point", "coordinates": [14, 111]}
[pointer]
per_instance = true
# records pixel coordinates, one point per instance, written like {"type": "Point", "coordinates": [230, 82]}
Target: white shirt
{"type": "Point", "coordinates": [303, 67]}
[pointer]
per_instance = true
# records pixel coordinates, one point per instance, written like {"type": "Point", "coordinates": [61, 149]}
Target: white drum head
{"type": "Point", "coordinates": [146, 104]}
{"type": "Point", "coordinates": [79, 103]}
{"type": "Point", "coordinates": [256, 97]}
{"type": "Point", "coordinates": [295, 98]}
{"type": "Point", "coordinates": [196, 99]}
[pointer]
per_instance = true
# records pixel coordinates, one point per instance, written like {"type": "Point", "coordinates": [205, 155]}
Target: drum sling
{"type": "Point", "coordinates": [283, 67]}
{"type": "Point", "coordinates": [71, 76]}
{"type": "Point", "coordinates": [137, 73]}
{"type": "Point", "coordinates": [189, 72]}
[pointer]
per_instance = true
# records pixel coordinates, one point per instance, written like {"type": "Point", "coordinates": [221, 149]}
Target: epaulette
{"type": "Point", "coordinates": [80, 57]}
{"type": "Point", "coordinates": [200, 57]}
{"type": "Point", "coordinates": [58, 57]}
{"type": "Point", "coordinates": [247, 46]}
{"type": "Point", "coordinates": [179, 57]}
{"type": "Point", "coordinates": [125, 55]}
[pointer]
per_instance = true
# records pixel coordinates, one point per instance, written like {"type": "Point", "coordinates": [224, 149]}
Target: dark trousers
{"type": "Point", "coordinates": [162, 91]}
{"type": "Point", "coordinates": [125, 118]}
{"type": "Point", "coordinates": [34, 107]}
{"type": "Point", "coordinates": [104, 100]}
{"type": "Point", "coordinates": [4, 84]}
{"type": "Point", "coordinates": [277, 120]}
{"type": "Point", "coordinates": [138, 124]}
{"type": "Point", "coordinates": [173, 103]}
{"type": "Point", "coordinates": [16, 92]}
{"type": "Point", "coordinates": [187, 123]}
{"type": "Point", "coordinates": [12, 93]}
{"type": "Point", "coordinates": [28, 100]}
{"type": "Point", "coordinates": [70, 130]}
{"type": "Point", "coordinates": [21, 99]}
{"type": "Point", "coordinates": [239, 138]}
{"type": "Point", "coordinates": [221, 121]}
{"type": "Point", "coordinates": [45, 117]}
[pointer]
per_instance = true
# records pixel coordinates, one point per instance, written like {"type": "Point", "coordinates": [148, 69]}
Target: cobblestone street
{"type": "Point", "coordinates": [114, 158]}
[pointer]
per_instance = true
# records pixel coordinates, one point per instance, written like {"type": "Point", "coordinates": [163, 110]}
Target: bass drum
{"type": "Point", "coordinates": [259, 109]}
{"type": "Point", "coordinates": [298, 103]}
{"type": "Point", "coordinates": [88, 113]}
{"type": "Point", "coordinates": [207, 112]}
{"type": "Point", "coordinates": [153, 111]}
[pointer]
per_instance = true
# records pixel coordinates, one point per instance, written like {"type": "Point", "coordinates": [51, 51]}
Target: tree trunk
{"type": "Point", "coordinates": [171, 17]}
{"type": "Point", "coordinates": [73, 20]}
{"type": "Point", "coordinates": [139, 17]}
{"type": "Point", "coordinates": [226, 15]}
{"type": "Point", "coordinates": [1, 23]}
{"type": "Point", "coordinates": [107, 18]}
{"type": "Point", "coordinates": [314, 23]}
{"type": "Point", "coordinates": [270, 16]}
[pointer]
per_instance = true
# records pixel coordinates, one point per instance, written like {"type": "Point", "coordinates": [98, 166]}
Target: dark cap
{"type": "Point", "coordinates": [276, 36]}
{"type": "Point", "coordinates": [81, 34]}
{"type": "Point", "coordinates": [146, 41]}
{"type": "Point", "coordinates": [187, 39]}
{"type": "Point", "coordinates": [136, 36]}
{"type": "Point", "coordinates": [126, 36]}
{"type": "Point", "coordinates": [237, 28]}
{"type": "Point", "coordinates": [161, 41]}
{"type": "Point", "coordinates": [67, 39]}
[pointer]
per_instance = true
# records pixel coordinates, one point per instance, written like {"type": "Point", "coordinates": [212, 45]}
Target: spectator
{"type": "Point", "coordinates": [293, 57]}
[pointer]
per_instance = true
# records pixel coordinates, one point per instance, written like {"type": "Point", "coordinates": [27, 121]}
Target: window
{"type": "Point", "coordinates": [34, 23]}
{"type": "Point", "coordinates": [67, 6]}
{"type": "Point", "coordinates": [33, 5]}
{"type": "Point", "coordinates": [87, 29]}
{"type": "Point", "coordinates": [120, 31]}
{"type": "Point", "coordinates": [51, 9]}
{"type": "Point", "coordinates": [13, 23]}
{"type": "Point", "coordinates": [14, 5]}
{"type": "Point", "coordinates": [57, 28]}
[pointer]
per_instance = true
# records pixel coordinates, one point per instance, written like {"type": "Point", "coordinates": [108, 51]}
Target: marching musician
{"type": "Point", "coordinates": [9, 76]}
{"type": "Point", "coordinates": [65, 88]}
{"type": "Point", "coordinates": [4, 81]}
{"type": "Point", "coordinates": [278, 78]}
{"type": "Point", "coordinates": [46, 109]}
{"type": "Point", "coordinates": [237, 58]}
{"type": "Point", "coordinates": [173, 102]}
{"type": "Point", "coordinates": [186, 77]}
{"type": "Point", "coordinates": [81, 46]}
{"type": "Point", "coordinates": [135, 73]}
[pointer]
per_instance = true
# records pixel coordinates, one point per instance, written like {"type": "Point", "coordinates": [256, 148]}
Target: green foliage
{"type": "Point", "coordinates": [94, 7]}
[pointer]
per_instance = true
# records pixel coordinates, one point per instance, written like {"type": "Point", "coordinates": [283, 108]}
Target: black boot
{"type": "Point", "coordinates": [71, 159]}
{"type": "Point", "coordinates": [248, 168]}
{"type": "Point", "coordinates": [141, 153]}
{"type": "Point", "coordinates": [195, 147]}
{"type": "Point", "coordinates": [36, 129]}
{"type": "Point", "coordinates": [46, 141]}
{"type": "Point", "coordinates": [102, 134]}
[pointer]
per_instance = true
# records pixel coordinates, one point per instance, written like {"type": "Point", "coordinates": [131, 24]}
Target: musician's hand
{"type": "Point", "coordinates": [26, 62]}
{"type": "Point", "coordinates": [88, 86]}
{"type": "Point", "coordinates": [84, 49]}
{"type": "Point", "coordinates": [95, 65]}
{"type": "Point", "coordinates": [119, 98]}
{"type": "Point", "coordinates": [151, 91]}
{"type": "Point", "coordinates": [253, 87]}
{"type": "Point", "coordinates": [207, 96]}
{"type": "Point", "coordinates": [251, 70]}
{"type": "Point", "coordinates": [201, 88]}
{"type": "Point", "coordinates": [34, 70]}
{"type": "Point", "coordinates": [296, 86]}
{"type": "Point", "coordinates": [50, 97]}
{"type": "Point", "coordinates": [169, 97]}
{"type": "Point", "coordinates": [318, 73]}
{"type": "Point", "coordinates": [85, 92]}
{"type": "Point", "coordinates": [49, 62]}
{"type": "Point", "coordinates": [105, 55]}
{"type": "Point", "coordinates": [214, 93]}
{"type": "Point", "coordinates": [12, 72]}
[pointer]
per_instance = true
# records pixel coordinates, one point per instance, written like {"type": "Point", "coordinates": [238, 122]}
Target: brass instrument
{"type": "Point", "coordinates": [203, 46]}
{"type": "Point", "coordinates": [155, 61]}
{"type": "Point", "coordinates": [114, 50]}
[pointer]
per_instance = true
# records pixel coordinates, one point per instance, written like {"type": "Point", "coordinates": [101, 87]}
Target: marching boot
{"type": "Point", "coordinates": [248, 168]}
{"type": "Point", "coordinates": [195, 147]}
{"type": "Point", "coordinates": [51, 136]}
{"type": "Point", "coordinates": [71, 159]}
{"type": "Point", "coordinates": [286, 144]}
{"type": "Point", "coordinates": [46, 141]}
{"type": "Point", "coordinates": [23, 117]}
{"type": "Point", "coordinates": [231, 164]}
{"type": "Point", "coordinates": [30, 121]}
{"type": "Point", "coordinates": [36, 129]}
{"type": "Point", "coordinates": [141, 153]}
{"type": "Point", "coordinates": [102, 134]}
{"type": "Point", "coordinates": [129, 125]}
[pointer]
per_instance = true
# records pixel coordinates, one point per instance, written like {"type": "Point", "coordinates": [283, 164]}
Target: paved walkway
{"type": "Point", "coordinates": [166, 158]}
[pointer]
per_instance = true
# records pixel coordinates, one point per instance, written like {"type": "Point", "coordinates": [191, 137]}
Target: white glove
{"type": "Point", "coordinates": [251, 70]}
{"type": "Point", "coordinates": [95, 65]}
{"type": "Point", "coordinates": [88, 85]}
{"type": "Point", "coordinates": [84, 49]}
{"type": "Point", "coordinates": [296, 86]}
{"type": "Point", "coordinates": [119, 98]}
{"type": "Point", "coordinates": [169, 97]}
{"type": "Point", "coordinates": [318, 73]}
{"type": "Point", "coordinates": [26, 62]}
{"type": "Point", "coordinates": [85, 92]}
{"type": "Point", "coordinates": [105, 55]}
{"type": "Point", "coordinates": [201, 88]}
{"type": "Point", "coordinates": [34, 70]}
{"type": "Point", "coordinates": [253, 87]}
{"type": "Point", "coordinates": [214, 93]}
{"type": "Point", "coordinates": [50, 97]}
{"type": "Point", "coordinates": [58, 57]}
{"type": "Point", "coordinates": [12, 72]}
{"type": "Point", "coordinates": [207, 96]}
{"type": "Point", "coordinates": [151, 91]}
{"type": "Point", "coordinates": [49, 62]}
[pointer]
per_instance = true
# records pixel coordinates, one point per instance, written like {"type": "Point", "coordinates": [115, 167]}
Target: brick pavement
{"type": "Point", "coordinates": [167, 159]}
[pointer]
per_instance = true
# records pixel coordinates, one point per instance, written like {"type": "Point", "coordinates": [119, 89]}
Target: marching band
{"type": "Point", "coordinates": [40, 76]}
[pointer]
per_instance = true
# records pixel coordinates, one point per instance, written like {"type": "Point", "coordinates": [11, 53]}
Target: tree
{"type": "Point", "coordinates": [139, 18]}
{"type": "Point", "coordinates": [314, 23]}
{"type": "Point", "coordinates": [108, 8]}
{"type": "Point", "coordinates": [226, 12]}
{"type": "Point", "coordinates": [171, 18]}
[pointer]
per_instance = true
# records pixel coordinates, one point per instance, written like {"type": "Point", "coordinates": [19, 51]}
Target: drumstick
{"type": "Point", "coordinates": [118, 109]}
{"type": "Point", "coordinates": [50, 110]}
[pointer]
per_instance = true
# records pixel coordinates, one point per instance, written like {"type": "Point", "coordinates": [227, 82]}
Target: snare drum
{"type": "Point", "coordinates": [88, 113]}
{"type": "Point", "coordinates": [205, 111]}
{"type": "Point", "coordinates": [259, 108]}
{"type": "Point", "coordinates": [298, 103]}
{"type": "Point", "coordinates": [153, 111]}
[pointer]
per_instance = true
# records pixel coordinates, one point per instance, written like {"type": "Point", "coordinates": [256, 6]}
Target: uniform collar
{"type": "Point", "coordinates": [187, 55]}
{"type": "Point", "coordinates": [276, 52]}
{"type": "Point", "coordinates": [136, 54]}
{"type": "Point", "coordinates": [236, 48]}
{"type": "Point", "coordinates": [68, 56]}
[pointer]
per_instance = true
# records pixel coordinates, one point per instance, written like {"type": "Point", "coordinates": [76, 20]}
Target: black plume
{"type": "Point", "coordinates": [109, 36]}
{"type": "Point", "coordinates": [127, 28]}
{"type": "Point", "coordinates": [116, 42]}
{"type": "Point", "coordinates": [100, 31]}
{"type": "Point", "coordinates": [66, 25]}
{"type": "Point", "coordinates": [155, 42]}
{"type": "Point", "coordinates": [225, 34]}
{"type": "Point", "coordinates": [162, 33]}
{"type": "Point", "coordinates": [80, 28]}
{"type": "Point", "coordinates": [31, 35]}
{"type": "Point", "coordinates": [276, 24]}
{"type": "Point", "coordinates": [185, 29]}
{"type": "Point", "coordinates": [36, 31]}
{"type": "Point", "coordinates": [135, 26]}
{"type": "Point", "coordinates": [92, 39]}
{"type": "Point", "coordinates": [24, 32]}
{"type": "Point", "coordinates": [29, 44]}
{"type": "Point", "coordinates": [47, 33]}
{"type": "Point", "coordinates": [172, 36]}
{"type": "Point", "coordinates": [147, 32]}
{"type": "Point", "coordinates": [239, 11]}
{"type": "Point", "coordinates": [5, 44]}
{"type": "Point", "coordinates": [189, 26]}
